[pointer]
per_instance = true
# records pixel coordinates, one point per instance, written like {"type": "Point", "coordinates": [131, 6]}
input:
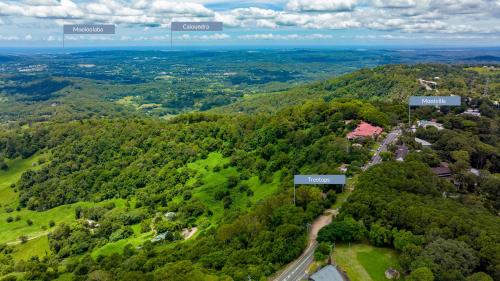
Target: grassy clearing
{"type": "Point", "coordinates": [484, 70]}
{"type": "Point", "coordinates": [117, 247]}
{"type": "Point", "coordinates": [36, 247]}
{"type": "Point", "coordinates": [10, 232]}
{"type": "Point", "coordinates": [217, 181]}
{"type": "Point", "coordinates": [128, 101]}
{"type": "Point", "coordinates": [8, 197]}
{"type": "Point", "coordinates": [363, 262]}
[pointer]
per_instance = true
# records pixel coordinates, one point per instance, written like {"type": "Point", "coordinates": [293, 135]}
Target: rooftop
{"type": "Point", "coordinates": [442, 171]}
{"type": "Point", "coordinates": [423, 142]}
{"type": "Point", "coordinates": [327, 273]}
{"type": "Point", "coordinates": [402, 152]}
{"type": "Point", "coordinates": [365, 130]}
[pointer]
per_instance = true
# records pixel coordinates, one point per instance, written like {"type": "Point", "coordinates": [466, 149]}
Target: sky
{"type": "Point", "coordinates": [452, 23]}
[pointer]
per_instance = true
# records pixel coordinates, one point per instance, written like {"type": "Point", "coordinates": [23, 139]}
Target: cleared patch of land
{"type": "Point", "coordinates": [363, 262]}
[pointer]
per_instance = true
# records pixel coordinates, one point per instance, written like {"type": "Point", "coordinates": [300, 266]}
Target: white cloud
{"type": "Point", "coordinates": [28, 37]}
{"type": "Point", "coordinates": [8, 38]}
{"type": "Point", "coordinates": [253, 13]}
{"type": "Point", "coordinates": [162, 6]}
{"type": "Point", "coordinates": [461, 17]}
{"type": "Point", "coordinates": [459, 6]}
{"type": "Point", "coordinates": [42, 2]}
{"type": "Point", "coordinates": [321, 5]}
{"type": "Point", "coordinates": [266, 24]}
{"type": "Point", "coordinates": [395, 3]}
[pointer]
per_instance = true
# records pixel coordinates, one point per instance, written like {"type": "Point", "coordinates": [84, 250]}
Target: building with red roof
{"type": "Point", "coordinates": [365, 130]}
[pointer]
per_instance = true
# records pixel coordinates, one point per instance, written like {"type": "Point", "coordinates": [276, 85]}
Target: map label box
{"type": "Point", "coordinates": [435, 100]}
{"type": "Point", "coordinates": [89, 29]}
{"type": "Point", "coordinates": [197, 26]}
{"type": "Point", "coordinates": [319, 179]}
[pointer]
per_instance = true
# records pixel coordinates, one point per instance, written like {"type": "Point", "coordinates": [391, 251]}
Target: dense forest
{"type": "Point", "coordinates": [400, 205]}
{"type": "Point", "coordinates": [147, 162]}
{"type": "Point", "coordinates": [385, 84]}
{"type": "Point", "coordinates": [230, 177]}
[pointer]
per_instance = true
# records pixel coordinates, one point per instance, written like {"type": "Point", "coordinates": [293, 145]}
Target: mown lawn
{"type": "Point", "coordinates": [363, 262]}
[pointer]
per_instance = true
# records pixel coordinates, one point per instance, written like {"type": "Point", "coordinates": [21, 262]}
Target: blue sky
{"type": "Point", "coordinates": [454, 23]}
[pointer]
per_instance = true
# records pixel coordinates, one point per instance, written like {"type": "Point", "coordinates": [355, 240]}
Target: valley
{"type": "Point", "coordinates": [117, 171]}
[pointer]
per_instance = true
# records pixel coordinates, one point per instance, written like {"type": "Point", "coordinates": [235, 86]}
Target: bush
{"type": "Point", "coordinates": [10, 219]}
{"type": "Point", "coordinates": [219, 195]}
{"type": "Point", "coordinates": [347, 230]}
{"type": "Point", "coordinates": [3, 165]}
{"type": "Point", "coordinates": [244, 187]}
{"type": "Point", "coordinates": [29, 222]}
{"type": "Point", "coordinates": [187, 195]}
{"type": "Point", "coordinates": [227, 201]}
{"type": "Point", "coordinates": [23, 239]}
{"type": "Point", "coordinates": [52, 223]}
{"type": "Point", "coordinates": [232, 181]}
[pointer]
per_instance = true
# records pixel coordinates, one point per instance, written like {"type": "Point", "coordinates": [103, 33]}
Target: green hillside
{"type": "Point", "coordinates": [209, 196]}
{"type": "Point", "coordinates": [391, 83]}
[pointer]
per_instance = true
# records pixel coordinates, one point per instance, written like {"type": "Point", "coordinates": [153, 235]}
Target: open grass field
{"type": "Point", "coordinates": [36, 247]}
{"type": "Point", "coordinates": [215, 181]}
{"type": "Point", "coordinates": [363, 262]}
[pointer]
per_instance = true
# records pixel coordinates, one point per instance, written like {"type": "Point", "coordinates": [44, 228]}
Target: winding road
{"type": "Point", "coordinates": [296, 270]}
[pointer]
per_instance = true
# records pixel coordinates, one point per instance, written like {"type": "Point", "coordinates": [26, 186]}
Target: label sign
{"type": "Point", "coordinates": [197, 26]}
{"type": "Point", "coordinates": [319, 179]}
{"type": "Point", "coordinates": [435, 100]}
{"type": "Point", "coordinates": [89, 29]}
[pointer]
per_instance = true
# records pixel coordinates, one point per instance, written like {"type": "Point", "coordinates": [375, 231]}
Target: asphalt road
{"type": "Point", "coordinates": [296, 271]}
{"type": "Point", "coordinates": [391, 137]}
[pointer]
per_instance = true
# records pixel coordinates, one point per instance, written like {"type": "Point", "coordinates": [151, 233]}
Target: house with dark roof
{"type": "Point", "coordinates": [443, 171]}
{"type": "Point", "coordinates": [327, 273]}
{"type": "Point", "coordinates": [365, 130]}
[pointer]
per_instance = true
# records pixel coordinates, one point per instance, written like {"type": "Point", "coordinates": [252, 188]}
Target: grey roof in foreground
{"type": "Point", "coordinates": [327, 273]}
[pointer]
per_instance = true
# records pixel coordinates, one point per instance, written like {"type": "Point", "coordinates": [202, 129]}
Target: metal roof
{"type": "Point", "coordinates": [327, 273]}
